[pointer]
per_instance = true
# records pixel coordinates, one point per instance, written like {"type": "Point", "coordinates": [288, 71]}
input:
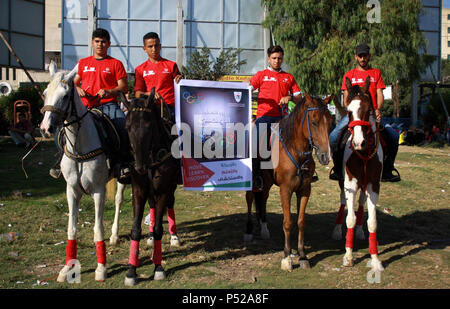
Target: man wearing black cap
{"type": "Point", "coordinates": [358, 76]}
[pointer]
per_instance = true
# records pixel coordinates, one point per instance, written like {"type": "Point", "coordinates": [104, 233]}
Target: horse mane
{"type": "Point", "coordinates": [287, 124]}
{"type": "Point", "coordinates": [54, 83]}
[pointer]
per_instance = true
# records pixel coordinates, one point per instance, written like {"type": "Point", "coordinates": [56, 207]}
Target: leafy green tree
{"type": "Point", "coordinates": [201, 67]}
{"type": "Point", "coordinates": [320, 36]}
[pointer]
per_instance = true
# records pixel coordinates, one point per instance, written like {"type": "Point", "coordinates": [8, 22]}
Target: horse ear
{"type": "Point", "coordinates": [348, 83]}
{"type": "Point", "coordinates": [308, 97]}
{"type": "Point", "coordinates": [123, 99]}
{"type": "Point", "coordinates": [71, 75]}
{"type": "Point", "coordinates": [52, 69]}
{"type": "Point", "coordinates": [366, 86]}
{"type": "Point", "coordinates": [151, 98]}
{"type": "Point", "coordinates": [328, 100]}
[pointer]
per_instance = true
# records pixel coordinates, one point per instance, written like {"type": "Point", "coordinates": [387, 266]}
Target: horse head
{"type": "Point", "coordinates": [142, 126]}
{"type": "Point", "coordinates": [317, 126]}
{"type": "Point", "coordinates": [58, 95]}
{"type": "Point", "coordinates": [360, 113]}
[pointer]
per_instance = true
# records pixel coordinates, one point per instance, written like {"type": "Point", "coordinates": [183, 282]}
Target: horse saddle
{"type": "Point", "coordinates": [109, 138]}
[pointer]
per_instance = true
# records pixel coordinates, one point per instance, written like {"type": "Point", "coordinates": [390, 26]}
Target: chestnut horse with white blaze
{"type": "Point", "coordinates": [363, 165]}
{"type": "Point", "coordinates": [305, 129]}
{"type": "Point", "coordinates": [84, 164]}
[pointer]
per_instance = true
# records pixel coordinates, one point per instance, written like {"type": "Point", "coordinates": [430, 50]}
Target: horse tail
{"type": "Point", "coordinates": [111, 189]}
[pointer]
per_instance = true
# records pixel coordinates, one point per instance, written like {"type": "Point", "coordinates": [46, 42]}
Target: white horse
{"type": "Point", "coordinates": [84, 165]}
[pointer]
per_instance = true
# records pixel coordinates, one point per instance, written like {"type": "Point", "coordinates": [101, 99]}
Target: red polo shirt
{"type": "Point", "coordinates": [159, 75]}
{"type": "Point", "coordinates": [358, 77]}
{"type": "Point", "coordinates": [99, 74]}
{"type": "Point", "coordinates": [272, 87]}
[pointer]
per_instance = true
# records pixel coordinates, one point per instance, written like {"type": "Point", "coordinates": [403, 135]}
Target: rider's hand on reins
{"type": "Point", "coordinates": [378, 115]}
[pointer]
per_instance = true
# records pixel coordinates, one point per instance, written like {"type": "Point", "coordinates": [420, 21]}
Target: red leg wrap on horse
{"type": "Point", "coordinates": [134, 253]}
{"type": "Point", "coordinates": [340, 217]}
{"type": "Point", "coordinates": [71, 250]}
{"type": "Point", "coordinates": [157, 255]}
{"type": "Point", "coordinates": [101, 252]}
{"type": "Point", "coordinates": [171, 219]}
{"type": "Point", "coordinates": [360, 215]}
{"type": "Point", "coordinates": [373, 244]}
{"type": "Point", "coordinates": [349, 238]}
{"type": "Point", "coordinates": [152, 220]}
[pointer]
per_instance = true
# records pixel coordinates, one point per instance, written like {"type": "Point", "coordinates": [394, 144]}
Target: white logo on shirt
{"type": "Point", "coordinates": [148, 73]}
{"type": "Point", "coordinates": [361, 81]}
{"type": "Point", "coordinates": [269, 79]}
{"type": "Point", "coordinates": [107, 70]}
{"type": "Point", "coordinates": [89, 69]}
{"type": "Point", "coordinates": [166, 71]}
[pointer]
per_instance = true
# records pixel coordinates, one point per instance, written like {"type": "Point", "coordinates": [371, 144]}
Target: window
{"type": "Point", "coordinates": [448, 43]}
{"type": "Point", "coordinates": [448, 30]}
{"type": "Point", "coordinates": [448, 58]}
{"type": "Point", "coordinates": [448, 16]}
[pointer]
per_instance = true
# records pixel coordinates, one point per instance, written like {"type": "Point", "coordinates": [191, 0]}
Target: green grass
{"type": "Point", "coordinates": [414, 242]}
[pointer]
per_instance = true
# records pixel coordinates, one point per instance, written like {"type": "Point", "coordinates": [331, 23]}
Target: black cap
{"type": "Point", "coordinates": [362, 49]}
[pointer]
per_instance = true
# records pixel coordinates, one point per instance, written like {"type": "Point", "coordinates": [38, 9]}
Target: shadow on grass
{"type": "Point", "coordinates": [423, 230]}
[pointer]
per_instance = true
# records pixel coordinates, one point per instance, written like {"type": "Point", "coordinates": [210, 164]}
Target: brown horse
{"type": "Point", "coordinates": [154, 175]}
{"type": "Point", "coordinates": [363, 162]}
{"type": "Point", "coordinates": [305, 129]}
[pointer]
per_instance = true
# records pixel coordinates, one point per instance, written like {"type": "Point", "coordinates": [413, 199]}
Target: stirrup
{"type": "Point", "coordinates": [391, 177]}
{"type": "Point", "coordinates": [55, 172]}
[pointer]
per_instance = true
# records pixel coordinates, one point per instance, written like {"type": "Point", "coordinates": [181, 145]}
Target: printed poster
{"type": "Point", "coordinates": [213, 123]}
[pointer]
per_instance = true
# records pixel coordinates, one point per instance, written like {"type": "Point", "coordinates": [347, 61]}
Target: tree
{"type": "Point", "coordinates": [320, 36]}
{"type": "Point", "coordinates": [201, 67]}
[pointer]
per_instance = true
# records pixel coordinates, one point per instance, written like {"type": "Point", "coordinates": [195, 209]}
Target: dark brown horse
{"type": "Point", "coordinates": [305, 129]}
{"type": "Point", "coordinates": [154, 175]}
{"type": "Point", "coordinates": [363, 162]}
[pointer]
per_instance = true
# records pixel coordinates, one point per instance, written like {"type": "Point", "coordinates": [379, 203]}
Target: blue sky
{"type": "Point", "coordinates": [446, 3]}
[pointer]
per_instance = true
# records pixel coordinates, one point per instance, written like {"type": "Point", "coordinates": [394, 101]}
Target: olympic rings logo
{"type": "Point", "coordinates": [191, 99]}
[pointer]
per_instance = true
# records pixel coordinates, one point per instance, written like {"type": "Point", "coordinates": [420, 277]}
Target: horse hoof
{"type": "Point", "coordinates": [113, 240]}
{"type": "Point", "coordinates": [376, 265]}
{"type": "Point", "coordinates": [248, 237]}
{"type": "Point", "coordinates": [160, 274]}
{"type": "Point", "coordinates": [150, 241]}
{"type": "Point", "coordinates": [304, 264]}
{"type": "Point", "coordinates": [265, 234]}
{"type": "Point", "coordinates": [100, 273]}
{"type": "Point", "coordinates": [130, 281]}
{"type": "Point", "coordinates": [347, 262]}
{"type": "Point", "coordinates": [62, 276]}
{"type": "Point", "coordinates": [360, 233]}
{"type": "Point", "coordinates": [286, 264]}
{"type": "Point", "coordinates": [175, 241]}
{"type": "Point", "coordinates": [337, 232]}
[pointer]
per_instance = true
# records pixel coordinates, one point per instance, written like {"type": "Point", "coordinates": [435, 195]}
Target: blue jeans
{"type": "Point", "coordinates": [117, 116]}
{"type": "Point", "coordinates": [393, 135]}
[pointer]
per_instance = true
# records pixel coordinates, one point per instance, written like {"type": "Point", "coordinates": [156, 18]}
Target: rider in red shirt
{"type": "Point", "coordinates": [358, 76]}
{"type": "Point", "coordinates": [276, 89]}
{"type": "Point", "coordinates": [156, 72]}
{"type": "Point", "coordinates": [98, 82]}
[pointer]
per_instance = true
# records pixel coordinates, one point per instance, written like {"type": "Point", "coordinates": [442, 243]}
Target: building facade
{"type": "Point", "coordinates": [445, 32]}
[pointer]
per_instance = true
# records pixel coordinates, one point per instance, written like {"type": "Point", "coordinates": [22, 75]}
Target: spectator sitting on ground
{"type": "Point", "coordinates": [22, 132]}
{"type": "Point", "coordinates": [436, 133]}
{"type": "Point", "coordinates": [402, 138]}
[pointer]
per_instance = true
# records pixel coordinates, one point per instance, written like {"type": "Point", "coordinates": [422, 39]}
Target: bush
{"type": "Point", "coordinates": [435, 113]}
{"type": "Point", "coordinates": [23, 93]}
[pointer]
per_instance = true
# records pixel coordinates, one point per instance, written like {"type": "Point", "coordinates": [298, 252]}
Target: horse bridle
{"type": "Point", "coordinates": [312, 146]}
{"type": "Point", "coordinates": [64, 114]}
